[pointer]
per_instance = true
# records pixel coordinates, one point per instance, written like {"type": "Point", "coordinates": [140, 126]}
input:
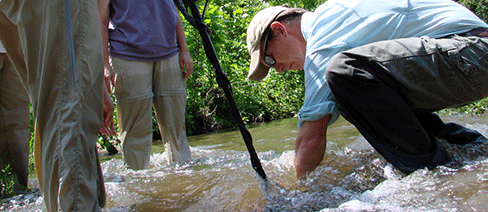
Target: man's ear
{"type": "Point", "coordinates": [278, 27]}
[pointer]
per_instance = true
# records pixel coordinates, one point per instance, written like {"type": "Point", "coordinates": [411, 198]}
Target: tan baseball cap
{"type": "Point", "coordinates": [255, 31]}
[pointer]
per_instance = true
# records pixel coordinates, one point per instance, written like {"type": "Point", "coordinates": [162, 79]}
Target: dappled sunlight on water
{"type": "Point", "coordinates": [352, 177]}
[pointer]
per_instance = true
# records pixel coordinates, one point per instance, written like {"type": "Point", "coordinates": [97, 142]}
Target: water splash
{"type": "Point", "coordinates": [361, 180]}
{"type": "Point", "coordinates": [350, 178]}
{"type": "Point", "coordinates": [343, 175]}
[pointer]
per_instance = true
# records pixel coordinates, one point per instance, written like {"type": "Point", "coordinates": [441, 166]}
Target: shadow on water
{"type": "Point", "coordinates": [352, 177]}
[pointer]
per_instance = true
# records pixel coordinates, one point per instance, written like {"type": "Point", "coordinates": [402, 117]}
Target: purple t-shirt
{"type": "Point", "coordinates": [143, 30]}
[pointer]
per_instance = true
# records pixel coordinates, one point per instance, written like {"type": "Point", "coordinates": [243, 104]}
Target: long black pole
{"type": "Point", "coordinates": [223, 81]}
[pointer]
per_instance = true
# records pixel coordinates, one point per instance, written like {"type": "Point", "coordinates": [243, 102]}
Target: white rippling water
{"type": "Point", "coordinates": [352, 177]}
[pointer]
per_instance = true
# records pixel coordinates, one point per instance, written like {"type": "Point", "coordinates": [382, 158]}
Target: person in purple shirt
{"type": "Point", "coordinates": [150, 63]}
{"type": "Point", "coordinates": [384, 65]}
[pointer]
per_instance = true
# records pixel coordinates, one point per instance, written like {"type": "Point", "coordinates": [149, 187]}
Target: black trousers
{"type": "Point", "coordinates": [389, 90]}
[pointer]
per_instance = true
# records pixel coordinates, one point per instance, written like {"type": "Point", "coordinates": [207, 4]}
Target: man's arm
{"type": "Point", "coordinates": [186, 62]}
{"type": "Point", "coordinates": [104, 14]}
{"type": "Point", "coordinates": [310, 145]}
{"type": "Point", "coordinates": [108, 126]}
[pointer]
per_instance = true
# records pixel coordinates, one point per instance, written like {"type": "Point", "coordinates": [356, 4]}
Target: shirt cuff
{"type": "Point", "coordinates": [316, 112]}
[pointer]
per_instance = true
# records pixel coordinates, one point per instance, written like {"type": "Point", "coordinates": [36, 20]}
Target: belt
{"type": "Point", "coordinates": [480, 32]}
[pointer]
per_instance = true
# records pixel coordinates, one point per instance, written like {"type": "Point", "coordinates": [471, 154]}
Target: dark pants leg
{"type": "Point", "coordinates": [451, 132]}
{"type": "Point", "coordinates": [385, 119]}
{"type": "Point", "coordinates": [388, 89]}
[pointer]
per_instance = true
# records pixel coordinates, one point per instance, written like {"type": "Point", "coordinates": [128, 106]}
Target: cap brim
{"type": "Point", "coordinates": [257, 70]}
{"type": "Point", "coordinates": [255, 30]}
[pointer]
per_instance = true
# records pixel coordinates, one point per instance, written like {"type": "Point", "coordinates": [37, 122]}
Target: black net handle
{"type": "Point", "coordinates": [196, 21]}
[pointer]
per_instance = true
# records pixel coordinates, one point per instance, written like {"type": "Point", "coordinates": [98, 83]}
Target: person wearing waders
{"type": "Point", "coordinates": [384, 65]}
{"type": "Point", "coordinates": [150, 62]}
{"type": "Point", "coordinates": [54, 46]}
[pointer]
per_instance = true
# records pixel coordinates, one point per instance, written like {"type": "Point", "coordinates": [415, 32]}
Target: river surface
{"type": "Point", "coordinates": [352, 177]}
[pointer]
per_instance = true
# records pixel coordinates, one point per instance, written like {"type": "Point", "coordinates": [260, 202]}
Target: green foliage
{"type": "Point", "coordinates": [31, 142]}
{"type": "Point", "coordinates": [6, 181]}
{"type": "Point", "coordinates": [475, 108]}
{"type": "Point", "coordinates": [276, 97]}
{"type": "Point", "coordinates": [107, 143]}
{"type": "Point", "coordinates": [479, 7]}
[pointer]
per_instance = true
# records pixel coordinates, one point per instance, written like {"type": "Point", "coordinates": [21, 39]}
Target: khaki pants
{"type": "Point", "coordinates": [14, 121]}
{"type": "Point", "coordinates": [140, 85]}
{"type": "Point", "coordinates": [55, 46]}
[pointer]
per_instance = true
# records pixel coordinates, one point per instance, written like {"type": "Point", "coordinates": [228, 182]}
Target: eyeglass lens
{"type": "Point", "coordinates": [270, 61]}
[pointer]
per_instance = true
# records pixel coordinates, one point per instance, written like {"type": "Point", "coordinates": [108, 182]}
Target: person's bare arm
{"type": "Point", "coordinates": [186, 62]}
{"type": "Point", "coordinates": [310, 145]}
{"type": "Point", "coordinates": [108, 126]}
{"type": "Point", "coordinates": [104, 14]}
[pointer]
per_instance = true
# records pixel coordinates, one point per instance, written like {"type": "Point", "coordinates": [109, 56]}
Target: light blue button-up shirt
{"type": "Point", "coordinates": [339, 25]}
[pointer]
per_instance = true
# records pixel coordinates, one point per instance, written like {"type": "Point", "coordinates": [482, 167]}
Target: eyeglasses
{"type": "Point", "coordinates": [270, 61]}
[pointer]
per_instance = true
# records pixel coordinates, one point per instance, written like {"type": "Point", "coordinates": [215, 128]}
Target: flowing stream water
{"type": "Point", "coordinates": [352, 177]}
